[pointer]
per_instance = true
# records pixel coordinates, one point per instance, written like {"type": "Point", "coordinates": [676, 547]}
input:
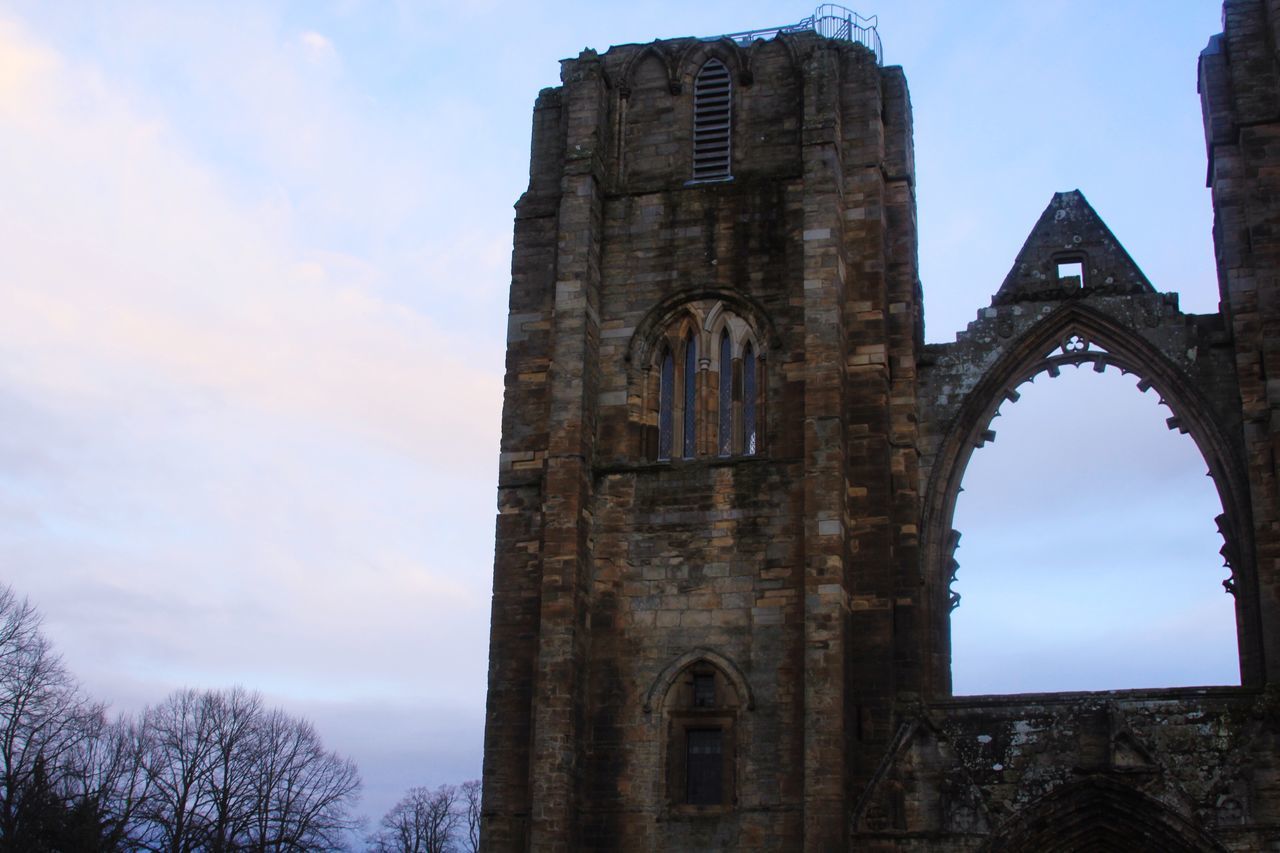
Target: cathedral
{"type": "Point", "coordinates": [729, 466]}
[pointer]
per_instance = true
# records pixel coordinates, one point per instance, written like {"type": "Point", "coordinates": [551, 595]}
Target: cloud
{"type": "Point", "coordinates": [318, 46]}
{"type": "Point", "coordinates": [127, 263]}
{"type": "Point", "coordinates": [235, 450]}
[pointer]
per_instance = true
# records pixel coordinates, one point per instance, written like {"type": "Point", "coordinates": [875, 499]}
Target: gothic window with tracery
{"type": "Point", "coordinates": [726, 395]}
{"type": "Point", "coordinates": [750, 429]}
{"type": "Point", "coordinates": [705, 387]}
{"type": "Point", "coordinates": [690, 379]}
{"type": "Point", "coordinates": [666, 405]}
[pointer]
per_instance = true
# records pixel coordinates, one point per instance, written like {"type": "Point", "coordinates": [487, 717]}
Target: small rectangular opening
{"type": "Point", "coordinates": [1071, 273]}
{"type": "Point", "coordinates": [704, 691]}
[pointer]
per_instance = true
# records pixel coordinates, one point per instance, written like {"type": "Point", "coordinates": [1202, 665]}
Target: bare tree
{"type": "Point", "coordinates": [178, 763]}
{"type": "Point", "coordinates": [235, 717]}
{"type": "Point", "coordinates": [208, 771]}
{"type": "Point", "coordinates": [471, 810]}
{"type": "Point", "coordinates": [227, 774]}
{"type": "Point", "coordinates": [424, 821]}
{"type": "Point", "coordinates": [44, 718]}
{"type": "Point", "coordinates": [302, 794]}
{"type": "Point", "coordinates": [106, 785]}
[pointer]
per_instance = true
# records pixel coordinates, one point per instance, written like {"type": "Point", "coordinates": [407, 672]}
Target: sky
{"type": "Point", "coordinates": [253, 269]}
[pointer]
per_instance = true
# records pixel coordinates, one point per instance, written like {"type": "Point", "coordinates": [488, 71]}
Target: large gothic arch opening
{"type": "Point", "coordinates": [1090, 554]}
{"type": "Point", "coordinates": [1079, 337]}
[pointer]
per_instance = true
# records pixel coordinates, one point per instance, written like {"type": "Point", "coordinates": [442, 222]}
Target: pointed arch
{"type": "Point", "coordinates": [1022, 360]}
{"type": "Point", "coordinates": [661, 686]}
{"type": "Point", "coordinates": [666, 402]}
{"type": "Point", "coordinates": [689, 395]}
{"type": "Point", "coordinates": [770, 113]}
{"type": "Point", "coordinates": [785, 42]}
{"type": "Point", "coordinates": [1099, 813]}
{"type": "Point", "coordinates": [649, 331]}
{"type": "Point", "coordinates": [645, 105]}
{"type": "Point", "coordinates": [726, 50]}
{"type": "Point", "coordinates": [713, 98]}
{"type": "Point", "coordinates": [724, 395]}
{"type": "Point", "coordinates": [696, 328]}
{"type": "Point", "coordinates": [650, 52]}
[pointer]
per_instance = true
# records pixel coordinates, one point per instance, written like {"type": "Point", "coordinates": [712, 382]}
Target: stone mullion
{"type": "Point", "coordinates": [559, 682]}
{"type": "Point", "coordinates": [825, 597]}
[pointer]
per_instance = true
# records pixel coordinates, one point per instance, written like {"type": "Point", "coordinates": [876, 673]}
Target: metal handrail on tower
{"type": "Point", "coordinates": [829, 20]}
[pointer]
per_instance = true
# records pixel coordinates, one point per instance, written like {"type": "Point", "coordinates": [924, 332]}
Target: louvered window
{"type": "Point", "coordinates": [712, 122]}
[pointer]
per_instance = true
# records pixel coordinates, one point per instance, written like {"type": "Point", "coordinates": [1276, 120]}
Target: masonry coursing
{"type": "Point", "coordinates": [810, 579]}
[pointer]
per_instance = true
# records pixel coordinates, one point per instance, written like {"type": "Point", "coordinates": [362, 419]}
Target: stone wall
{"type": "Point", "coordinates": [661, 570]}
{"type": "Point", "coordinates": [611, 564]}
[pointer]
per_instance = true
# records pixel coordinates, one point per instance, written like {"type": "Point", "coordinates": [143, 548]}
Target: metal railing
{"type": "Point", "coordinates": [830, 20]}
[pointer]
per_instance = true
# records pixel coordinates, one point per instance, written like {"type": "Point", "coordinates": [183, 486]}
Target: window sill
{"type": "Point", "coordinates": [684, 810]}
{"type": "Point", "coordinates": [619, 467]}
{"type": "Point", "coordinates": [702, 182]}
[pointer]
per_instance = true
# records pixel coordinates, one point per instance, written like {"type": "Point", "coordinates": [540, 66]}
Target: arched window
{"type": "Point", "coordinates": [712, 122]}
{"type": "Point", "coordinates": [702, 394]}
{"type": "Point", "coordinates": [1094, 566]}
{"type": "Point", "coordinates": [690, 380]}
{"type": "Point", "coordinates": [725, 402]}
{"type": "Point", "coordinates": [701, 707]}
{"type": "Point", "coordinates": [751, 439]}
{"type": "Point", "coordinates": [666, 404]}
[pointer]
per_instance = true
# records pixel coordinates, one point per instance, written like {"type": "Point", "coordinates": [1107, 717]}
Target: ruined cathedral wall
{"type": "Point", "coordinates": [513, 647]}
{"type": "Point", "coordinates": [1239, 76]}
{"type": "Point", "coordinates": [804, 252]}
{"type": "Point", "coordinates": [701, 554]}
{"type": "Point", "coordinates": [721, 604]}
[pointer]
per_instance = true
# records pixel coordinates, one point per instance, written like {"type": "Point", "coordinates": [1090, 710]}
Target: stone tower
{"type": "Point", "coordinates": [729, 465]}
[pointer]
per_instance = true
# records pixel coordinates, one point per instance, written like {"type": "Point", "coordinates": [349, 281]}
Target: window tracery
{"type": "Point", "coordinates": [704, 386]}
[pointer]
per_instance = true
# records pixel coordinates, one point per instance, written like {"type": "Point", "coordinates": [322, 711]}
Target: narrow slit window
{"type": "Point", "coordinates": [750, 438]}
{"type": "Point", "coordinates": [704, 764]}
{"type": "Point", "coordinates": [712, 122]}
{"type": "Point", "coordinates": [666, 400]}
{"type": "Point", "coordinates": [690, 396]}
{"type": "Point", "coordinates": [726, 395]}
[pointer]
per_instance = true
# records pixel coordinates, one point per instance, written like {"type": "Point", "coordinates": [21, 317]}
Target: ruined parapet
{"type": "Point", "coordinates": [1168, 770]}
